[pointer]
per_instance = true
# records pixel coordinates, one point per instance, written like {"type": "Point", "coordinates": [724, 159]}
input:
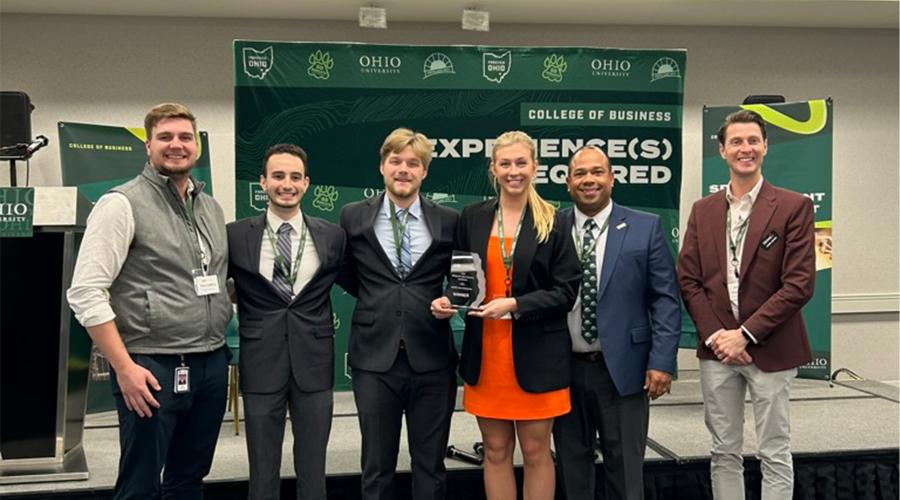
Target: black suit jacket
{"type": "Point", "coordinates": [280, 339]}
{"type": "Point", "coordinates": [545, 280]}
{"type": "Point", "coordinates": [390, 308]}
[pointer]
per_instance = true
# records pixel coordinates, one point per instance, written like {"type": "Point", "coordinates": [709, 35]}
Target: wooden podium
{"type": "Point", "coordinates": [44, 352]}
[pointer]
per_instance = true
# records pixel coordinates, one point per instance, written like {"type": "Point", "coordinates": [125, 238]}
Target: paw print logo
{"type": "Point", "coordinates": [554, 67]}
{"type": "Point", "coordinates": [325, 198]}
{"type": "Point", "coordinates": [320, 64]}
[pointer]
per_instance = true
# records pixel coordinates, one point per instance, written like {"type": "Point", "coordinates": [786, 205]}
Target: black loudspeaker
{"type": "Point", "coordinates": [15, 121]}
{"type": "Point", "coordinates": [763, 99]}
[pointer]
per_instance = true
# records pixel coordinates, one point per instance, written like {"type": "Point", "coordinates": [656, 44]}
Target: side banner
{"type": "Point", "coordinates": [799, 159]}
{"type": "Point", "coordinates": [339, 101]}
{"type": "Point", "coordinates": [97, 157]}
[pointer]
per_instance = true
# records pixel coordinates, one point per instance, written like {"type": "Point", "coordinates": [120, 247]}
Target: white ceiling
{"type": "Point", "coordinates": [770, 13]}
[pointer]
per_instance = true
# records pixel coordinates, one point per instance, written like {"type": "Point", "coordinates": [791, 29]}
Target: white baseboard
{"type": "Point", "coordinates": [865, 303]}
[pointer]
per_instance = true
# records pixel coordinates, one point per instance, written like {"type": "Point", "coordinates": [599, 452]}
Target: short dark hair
{"type": "Point", "coordinates": [741, 116]}
{"type": "Point", "coordinates": [285, 148]}
{"type": "Point", "coordinates": [592, 147]}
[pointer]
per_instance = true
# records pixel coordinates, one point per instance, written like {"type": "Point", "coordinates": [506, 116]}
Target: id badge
{"type": "Point", "coordinates": [182, 379]}
{"type": "Point", "coordinates": [205, 285]}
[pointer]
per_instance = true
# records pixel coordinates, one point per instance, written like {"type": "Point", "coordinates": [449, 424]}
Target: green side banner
{"type": "Point", "coordinates": [95, 158]}
{"type": "Point", "coordinates": [799, 159]}
{"type": "Point", "coordinates": [339, 100]}
{"type": "Point", "coordinates": [16, 212]}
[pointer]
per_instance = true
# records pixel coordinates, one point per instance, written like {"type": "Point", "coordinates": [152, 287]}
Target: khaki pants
{"type": "Point", "coordinates": [724, 388]}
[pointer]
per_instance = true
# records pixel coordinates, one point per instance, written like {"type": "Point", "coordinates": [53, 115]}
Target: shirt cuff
{"type": "Point", "coordinates": [749, 336]}
{"type": "Point", "coordinates": [96, 315]}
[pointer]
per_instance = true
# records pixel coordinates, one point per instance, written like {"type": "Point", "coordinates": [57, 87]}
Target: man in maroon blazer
{"type": "Point", "coordinates": [746, 268]}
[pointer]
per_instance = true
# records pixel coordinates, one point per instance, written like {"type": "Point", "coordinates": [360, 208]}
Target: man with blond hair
{"type": "Point", "coordinates": [149, 286]}
{"type": "Point", "coordinates": [403, 359]}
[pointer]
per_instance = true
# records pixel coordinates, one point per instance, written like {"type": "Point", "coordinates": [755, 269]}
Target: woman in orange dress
{"type": "Point", "coordinates": [516, 348]}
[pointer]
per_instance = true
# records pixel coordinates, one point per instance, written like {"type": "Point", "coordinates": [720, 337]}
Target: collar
{"type": "Point", "coordinates": [751, 196]}
{"type": "Point", "coordinates": [151, 173]}
{"type": "Point", "coordinates": [415, 210]}
{"type": "Point", "coordinates": [275, 221]}
{"type": "Point", "coordinates": [599, 218]}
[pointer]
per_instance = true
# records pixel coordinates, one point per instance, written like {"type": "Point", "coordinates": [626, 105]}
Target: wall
{"type": "Point", "coordinates": [110, 70]}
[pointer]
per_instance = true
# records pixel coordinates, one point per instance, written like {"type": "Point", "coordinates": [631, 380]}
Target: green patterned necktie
{"type": "Point", "coordinates": [589, 283]}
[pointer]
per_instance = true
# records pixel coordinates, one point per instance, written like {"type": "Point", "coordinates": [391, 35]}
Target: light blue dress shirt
{"type": "Point", "coordinates": [420, 236]}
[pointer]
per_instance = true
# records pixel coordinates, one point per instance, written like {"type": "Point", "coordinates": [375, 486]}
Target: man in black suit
{"type": "Point", "coordinates": [283, 264]}
{"type": "Point", "coordinates": [402, 358]}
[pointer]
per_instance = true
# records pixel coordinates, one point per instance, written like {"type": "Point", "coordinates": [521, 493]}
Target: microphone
{"type": "Point", "coordinates": [464, 456]}
{"type": "Point", "coordinates": [38, 143]}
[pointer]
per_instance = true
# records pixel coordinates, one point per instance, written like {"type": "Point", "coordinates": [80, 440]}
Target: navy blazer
{"type": "Point", "coordinates": [281, 338]}
{"type": "Point", "coordinates": [638, 305]}
{"type": "Point", "coordinates": [545, 280]}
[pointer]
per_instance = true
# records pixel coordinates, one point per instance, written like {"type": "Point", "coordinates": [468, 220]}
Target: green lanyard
{"type": "Point", "coordinates": [399, 228]}
{"type": "Point", "coordinates": [280, 259]}
{"type": "Point", "coordinates": [585, 253]}
{"type": "Point", "coordinates": [508, 256]}
{"type": "Point", "coordinates": [189, 208]}
{"type": "Point", "coordinates": [735, 242]}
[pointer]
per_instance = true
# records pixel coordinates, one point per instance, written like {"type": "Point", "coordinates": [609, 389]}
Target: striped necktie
{"type": "Point", "coordinates": [405, 244]}
{"type": "Point", "coordinates": [281, 273]}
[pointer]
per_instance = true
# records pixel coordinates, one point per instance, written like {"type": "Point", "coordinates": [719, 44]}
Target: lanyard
{"type": "Point", "coordinates": [585, 253]}
{"type": "Point", "coordinates": [508, 256]}
{"type": "Point", "coordinates": [735, 242]}
{"type": "Point", "coordinates": [399, 229]}
{"type": "Point", "coordinates": [280, 259]}
{"type": "Point", "coordinates": [189, 208]}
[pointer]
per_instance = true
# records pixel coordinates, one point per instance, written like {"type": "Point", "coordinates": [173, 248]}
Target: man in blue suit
{"type": "Point", "coordinates": [624, 327]}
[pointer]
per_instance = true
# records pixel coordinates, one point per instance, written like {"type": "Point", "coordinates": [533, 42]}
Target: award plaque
{"type": "Point", "coordinates": [466, 285]}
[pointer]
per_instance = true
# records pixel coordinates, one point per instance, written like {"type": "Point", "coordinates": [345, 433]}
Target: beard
{"type": "Point", "coordinates": [176, 171]}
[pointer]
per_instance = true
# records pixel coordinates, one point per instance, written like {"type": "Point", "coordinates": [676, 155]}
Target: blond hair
{"type": "Point", "coordinates": [543, 213]}
{"type": "Point", "coordinates": [400, 138]}
{"type": "Point", "coordinates": [167, 110]}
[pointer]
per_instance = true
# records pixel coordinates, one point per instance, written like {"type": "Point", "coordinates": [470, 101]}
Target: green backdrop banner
{"type": "Point", "coordinates": [799, 159]}
{"type": "Point", "coordinates": [339, 101]}
{"type": "Point", "coordinates": [96, 158]}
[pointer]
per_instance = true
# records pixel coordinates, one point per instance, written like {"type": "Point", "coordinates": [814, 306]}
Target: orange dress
{"type": "Point", "coordinates": [497, 393]}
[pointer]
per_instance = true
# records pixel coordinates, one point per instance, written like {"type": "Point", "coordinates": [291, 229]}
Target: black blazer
{"type": "Point", "coordinates": [280, 339]}
{"type": "Point", "coordinates": [545, 280]}
{"type": "Point", "coordinates": [390, 308]}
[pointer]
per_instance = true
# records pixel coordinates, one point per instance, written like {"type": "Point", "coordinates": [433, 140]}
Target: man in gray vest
{"type": "Point", "coordinates": [149, 286]}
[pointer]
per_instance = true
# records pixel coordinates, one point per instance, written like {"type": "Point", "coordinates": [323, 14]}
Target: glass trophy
{"type": "Point", "coordinates": [466, 285]}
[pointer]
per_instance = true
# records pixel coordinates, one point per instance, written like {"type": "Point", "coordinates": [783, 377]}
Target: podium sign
{"type": "Point", "coordinates": [16, 212]}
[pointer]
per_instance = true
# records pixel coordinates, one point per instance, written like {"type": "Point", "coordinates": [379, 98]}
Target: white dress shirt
{"type": "Point", "coordinates": [740, 211]}
{"type": "Point", "coordinates": [574, 316]}
{"type": "Point", "coordinates": [309, 259]}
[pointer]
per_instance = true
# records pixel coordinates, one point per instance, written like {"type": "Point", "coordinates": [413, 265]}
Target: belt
{"type": "Point", "coordinates": [590, 357]}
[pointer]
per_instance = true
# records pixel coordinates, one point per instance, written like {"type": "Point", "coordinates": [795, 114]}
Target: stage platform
{"type": "Point", "coordinates": [846, 439]}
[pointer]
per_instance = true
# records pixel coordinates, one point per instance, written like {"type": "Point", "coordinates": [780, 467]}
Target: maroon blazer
{"type": "Point", "coordinates": [778, 269]}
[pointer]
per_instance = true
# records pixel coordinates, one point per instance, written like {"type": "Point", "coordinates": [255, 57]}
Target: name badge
{"type": "Point", "coordinates": [769, 240]}
{"type": "Point", "coordinates": [205, 285]}
{"type": "Point", "coordinates": [182, 379]}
